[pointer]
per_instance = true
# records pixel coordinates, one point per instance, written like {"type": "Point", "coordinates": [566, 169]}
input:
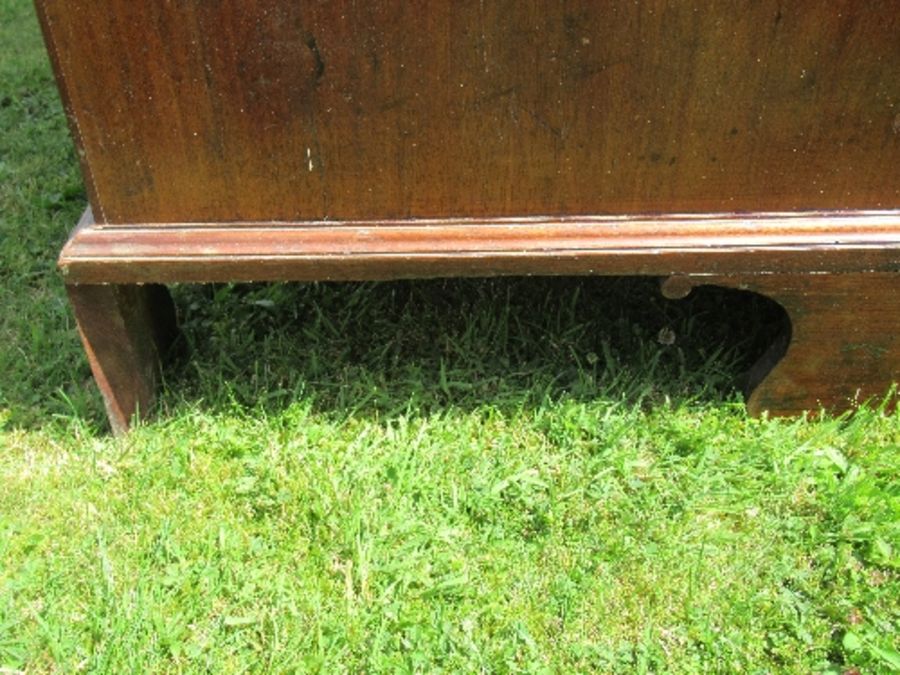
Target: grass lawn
{"type": "Point", "coordinates": [484, 475]}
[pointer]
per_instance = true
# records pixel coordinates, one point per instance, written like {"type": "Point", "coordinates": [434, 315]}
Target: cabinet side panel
{"type": "Point", "coordinates": [238, 110]}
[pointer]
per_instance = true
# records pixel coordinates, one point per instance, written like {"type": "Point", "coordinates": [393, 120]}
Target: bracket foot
{"type": "Point", "coordinates": [125, 329]}
{"type": "Point", "coordinates": [843, 347]}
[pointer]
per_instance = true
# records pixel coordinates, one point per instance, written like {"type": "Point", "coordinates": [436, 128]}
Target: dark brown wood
{"type": "Point", "coordinates": [125, 329]}
{"type": "Point", "coordinates": [708, 244]}
{"type": "Point", "coordinates": [257, 110]}
{"type": "Point", "coordinates": [843, 346]}
{"type": "Point", "coordinates": [750, 144]}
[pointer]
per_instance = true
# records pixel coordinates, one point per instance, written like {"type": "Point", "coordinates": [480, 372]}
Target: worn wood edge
{"type": "Point", "coordinates": [712, 244]}
{"type": "Point", "coordinates": [812, 219]}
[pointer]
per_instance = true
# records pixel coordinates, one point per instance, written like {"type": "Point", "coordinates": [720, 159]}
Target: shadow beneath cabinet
{"type": "Point", "coordinates": [507, 343]}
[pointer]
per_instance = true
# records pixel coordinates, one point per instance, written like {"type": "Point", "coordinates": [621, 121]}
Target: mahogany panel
{"type": "Point", "coordinates": [255, 110]}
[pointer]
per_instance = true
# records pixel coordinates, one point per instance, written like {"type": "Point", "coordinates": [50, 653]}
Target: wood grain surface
{"type": "Point", "coordinates": [256, 110]}
{"type": "Point", "coordinates": [697, 245]}
{"type": "Point", "coordinates": [126, 330]}
{"type": "Point", "coordinates": [843, 346]}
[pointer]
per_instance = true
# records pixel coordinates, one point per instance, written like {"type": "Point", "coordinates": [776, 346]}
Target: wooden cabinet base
{"type": "Point", "coordinates": [842, 346]}
{"type": "Point", "coordinates": [125, 330]}
{"type": "Point", "coordinates": [268, 140]}
{"type": "Point", "coordinates": [837, 276]}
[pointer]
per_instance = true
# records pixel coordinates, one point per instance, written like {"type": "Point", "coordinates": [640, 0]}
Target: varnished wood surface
{"type": "Point", "coordinates": [125, 330]}
{"type": "Point", "coordinates": [389, 109]}
{"type": "Point", "coordinates": [817, 242]}
{"type": "Point", "coordinates": [844, 343]}
{"type": "Point", "coordinates": [751, 144]}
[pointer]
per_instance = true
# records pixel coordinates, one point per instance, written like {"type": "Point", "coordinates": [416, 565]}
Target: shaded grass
{"type": "Point", "coordinates": [389, 347]}
{"type": "Point", "coordinates": [510, 475]}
